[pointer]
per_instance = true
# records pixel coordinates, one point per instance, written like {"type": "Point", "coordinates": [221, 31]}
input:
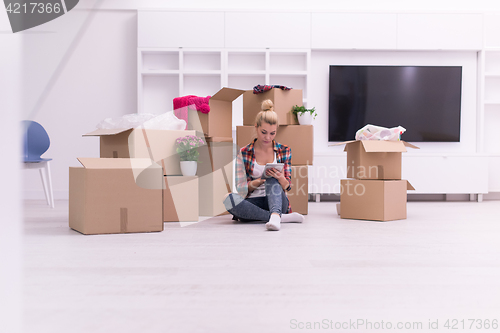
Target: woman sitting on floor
{"type": "Point", "coordinates": [258, 198]}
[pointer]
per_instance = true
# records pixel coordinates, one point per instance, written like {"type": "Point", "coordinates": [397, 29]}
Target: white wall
{"type": "Point", "coordinates": [320, 5]}
{"type": "Point", "coordinates": [78, 70]}
{"type": "Point", "coordinates": [10, 195]}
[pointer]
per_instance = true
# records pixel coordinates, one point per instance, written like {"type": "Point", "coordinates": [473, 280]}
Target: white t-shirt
{"type": "Point", "coordinates": [257, 173]}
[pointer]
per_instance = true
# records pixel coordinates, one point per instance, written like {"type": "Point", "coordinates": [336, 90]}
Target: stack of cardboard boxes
{"type": "Point", "coordinates": [215, 170]}
{"type": "Point", "coordinates": [179, 198]}
{"type": "Point", "coordinates": [375, 190]}
{"type": "Point", "coordinates": [298, 137]}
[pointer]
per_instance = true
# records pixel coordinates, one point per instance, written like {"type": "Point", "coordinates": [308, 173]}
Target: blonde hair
{"type": "Point", "coordinates": [267, 114]}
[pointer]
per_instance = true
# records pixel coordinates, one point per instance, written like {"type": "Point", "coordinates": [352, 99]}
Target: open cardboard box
{"type": "Point", "coordinates": [158, 145]}
{"type": "Point", "coordinates": [298, 137]}
{"type": "Point", "coordinates": [283, 100]}
{"type": "Point", "coordinates": [374, 159]}
{"type": "Point", "coordinates": [218, 122]}
{"type": "Point", "coordinates": [379, 200]}
{"type": "Point", "coordinates": [115, 195]}
{"type": "Point", "coordinates": [217, 152]}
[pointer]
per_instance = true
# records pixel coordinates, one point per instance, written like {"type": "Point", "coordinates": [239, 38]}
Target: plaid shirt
{"type": "Point", "coordinates": [246, 161]}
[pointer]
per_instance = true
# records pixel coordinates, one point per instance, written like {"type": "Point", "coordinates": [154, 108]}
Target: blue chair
{"type": "Point", "coordinates": [36, 142]}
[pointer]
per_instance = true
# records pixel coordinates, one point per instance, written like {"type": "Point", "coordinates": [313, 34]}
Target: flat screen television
{"type": "Point", "coordinates": [426, 100]}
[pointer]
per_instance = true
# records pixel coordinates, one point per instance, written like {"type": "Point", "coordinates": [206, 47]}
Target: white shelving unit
{"type": "Point", "coordinates": [492, 77]}
{"type": "Point", "coordinates": [491, 113]}
{"type": "Point", "coordinates": [166, 73]}
{"type": "Point", "coordinates": [248, 68]}
{"type": "Point", "coordinates": [491, 97]}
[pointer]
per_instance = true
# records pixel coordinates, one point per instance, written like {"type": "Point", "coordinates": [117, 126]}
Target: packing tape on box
{"type": "Point", "coordinates": [123, 220]}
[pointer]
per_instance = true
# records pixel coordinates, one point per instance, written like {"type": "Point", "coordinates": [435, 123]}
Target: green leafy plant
{"type": "Point", "coordinates": [187, 147]}
{"type": "Point", "coordinates": [302, 109]}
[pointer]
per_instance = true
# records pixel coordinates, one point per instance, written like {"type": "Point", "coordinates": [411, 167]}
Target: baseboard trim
{"type": "Point", "coordinates": [417, 197]}
{"type": "Point", "coordinates": [39, 195]}
{"type": "Point", "coordinates": [492, 196]}
{"type": "Point", "coordinates": [64, 195]}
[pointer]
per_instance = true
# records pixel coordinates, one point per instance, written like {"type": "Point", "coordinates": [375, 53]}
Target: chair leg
{"type": "Point", "coordinates": [50, 191]}
{"type": "Point", "coordinates": [43, 175]}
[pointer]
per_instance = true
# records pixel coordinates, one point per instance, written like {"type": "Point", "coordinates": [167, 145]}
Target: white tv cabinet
{"type": "Point", "coordinates": [428, 173]}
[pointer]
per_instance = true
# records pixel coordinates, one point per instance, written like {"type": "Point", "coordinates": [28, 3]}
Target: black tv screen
{"type": "Point", "coordinates": [426, 100]}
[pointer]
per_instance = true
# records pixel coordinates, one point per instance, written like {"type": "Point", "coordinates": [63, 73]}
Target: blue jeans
{"type": "Point", "coordinates": [260, 208]}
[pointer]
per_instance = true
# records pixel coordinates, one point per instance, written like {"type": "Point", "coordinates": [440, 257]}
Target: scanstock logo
{"type": "Point", "coordinates": [26, 14]}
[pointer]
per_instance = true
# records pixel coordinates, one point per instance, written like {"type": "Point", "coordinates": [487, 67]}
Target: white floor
{"type": "Point", "coordinates": [443, 262]}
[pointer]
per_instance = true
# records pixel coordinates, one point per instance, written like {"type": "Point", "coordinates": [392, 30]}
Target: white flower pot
{"type": "Point", "coordinates": [188, 168]}
{"type": "Point", "coordinates": [305, 118]}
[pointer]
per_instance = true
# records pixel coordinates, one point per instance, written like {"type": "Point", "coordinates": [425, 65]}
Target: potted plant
{"type": "Point", "coordinates": [304, 116]}
{"type": "Point", "coordinates": [187, 148]}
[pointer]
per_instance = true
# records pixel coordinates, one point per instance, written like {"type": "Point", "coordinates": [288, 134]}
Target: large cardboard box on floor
{"type": "Point", "coordinates": [158, 145]}
{"type": "Point", "coordinates": [180, 199]}
{"type": "Point", "coordinates": [378, 200]}
{"type": "Point", "coordinates": [115, 195]}
{"type": "Point", "coordinates": [298, 137]}
{"type": "Point", "coordinates": [299, 194]}
{"type": "Point", "coordinates": [283, 100]}
{"type": "Point", "coordinates": [374, 159]}
{"type": "Point", "coordinates": [217, 122]}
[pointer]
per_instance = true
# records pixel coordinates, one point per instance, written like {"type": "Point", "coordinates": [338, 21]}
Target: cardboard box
{"type": "Point", "coordinates": [158, 145]}
{"type": "Point", "coordinates": [299, 194]}
{"type": "Point", "coordinates": [218, 122]}
{"type": "Point", "coordinates": [379, 200]}
{"type": "Point", "coordinates": [283, 100]}
{"type": "Point", "coordinates": [373, 159]}
{"type": "Point", "coordinates": [217, 153]}
{"type": "Point", "coordinates": [180, 199]}
{"type": "Point", "coordinates": [213, 187]}
{"type": "Point", "coordinates": [298, 137]}
{"type": "Point", "coordinates": [115, 195]}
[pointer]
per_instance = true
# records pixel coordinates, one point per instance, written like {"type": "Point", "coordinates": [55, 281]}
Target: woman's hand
{"type": "Point", "coordinates": [258, 182]}
{"type": "Point", "coordinates": [280, 176]}
{"type": "Point", "coordinates": [255, 183]}
{"type": "Point", "coordinates": [275, 174]}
